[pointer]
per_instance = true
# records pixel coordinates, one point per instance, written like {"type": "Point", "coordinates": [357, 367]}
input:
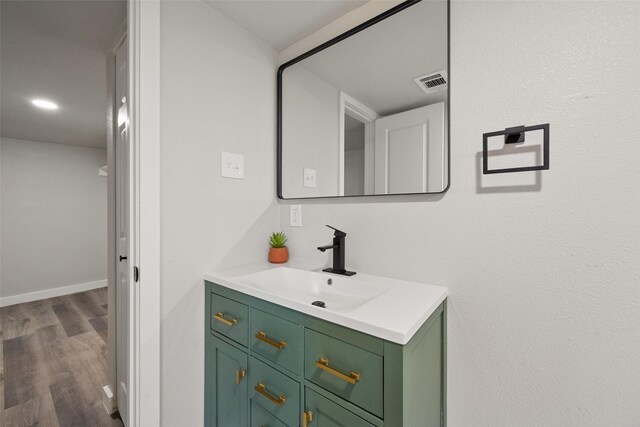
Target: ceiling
{"type": "Point", "coordinates": [57, 50]}
{"type": "Point", "coordinates": [282, 23]}
{"type": "Point", "coordinates": [377, 66]}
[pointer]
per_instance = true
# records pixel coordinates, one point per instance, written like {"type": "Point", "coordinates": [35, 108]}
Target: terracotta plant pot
{"type": "Point", "coordinates": [278, 255]}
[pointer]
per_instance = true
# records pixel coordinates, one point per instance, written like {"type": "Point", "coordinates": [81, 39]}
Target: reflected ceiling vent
{"type": "Point", "coordinates": [432, 82]}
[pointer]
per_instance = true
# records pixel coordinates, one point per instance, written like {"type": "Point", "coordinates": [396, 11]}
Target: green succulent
{"type": "Point", "coordinates": [278, 240]}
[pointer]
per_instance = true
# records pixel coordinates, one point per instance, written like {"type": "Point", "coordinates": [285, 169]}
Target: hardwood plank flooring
{"type": "Point", "coordinates": [22, 319]}
{"type": "Point", "coordinates": [71, 319]}
{"type": "Point", "coordinates": [88, 305]}
{"type": "Point", "coordinates": [51, 349]}
{"type": "Point", "coordinates": [22, 380]}
{"type": "Point", "coordinates": [66, 397]}
{"type": "Point", "coordinates": [53, 362]}
{"type": "Point", "coordinates": [100, 325]}
{"type": "Point", "coordinates": [35, 412]}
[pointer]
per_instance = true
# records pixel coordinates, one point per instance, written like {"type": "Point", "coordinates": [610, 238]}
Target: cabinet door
{"type": "Point", "coordinates": [226, 385]}
{"type": "Point", "coordinates": [326, 413]}
{"type": "Point", "coordinates": [260, 417]}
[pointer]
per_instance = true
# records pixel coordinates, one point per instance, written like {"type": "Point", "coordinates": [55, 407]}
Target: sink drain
{"type": "Point", "coordinates": [320, 304]}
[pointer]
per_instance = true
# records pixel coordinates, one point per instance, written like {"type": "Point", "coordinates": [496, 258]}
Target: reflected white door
{"type": "Point", "coordinates": [122, 156]}
{"type": "Point", "coordinates": [410, 153]}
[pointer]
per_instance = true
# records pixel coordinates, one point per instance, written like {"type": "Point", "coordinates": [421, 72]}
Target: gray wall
{"type": "Point", "coordinates": [544, 324]}
{"type": "Point", "coordinates": [218, 94]}
{"type": "Point", "coordinates": [53, 216]}
{"type": "Point", "coordinates": [311, 135]}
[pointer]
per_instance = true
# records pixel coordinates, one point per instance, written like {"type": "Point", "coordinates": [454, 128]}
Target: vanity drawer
{"type": "Point", "coordinates": [325, 412]}
{"type": "Point", "coordinates": [230, 318]}
{"type": "Point", "coordinates": [276, 339]}
{"type": "Point", "coordinates": [274, 391]}
{"type": "Point", "coordinates": [348, 371]}
{"type": "Point", "coordinates": [260, 417]}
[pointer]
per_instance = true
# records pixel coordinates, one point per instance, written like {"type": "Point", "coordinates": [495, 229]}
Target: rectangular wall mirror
{"type": "Point", "coordinates": [367, 113]}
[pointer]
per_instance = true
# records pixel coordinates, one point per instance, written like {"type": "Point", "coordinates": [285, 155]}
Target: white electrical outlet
{"type": "Point", "coordinates": [295, 215]}
{"type": "Point", "coordinates": [232, 165]}
{"type": "Point", "coordinates": [309, 178]}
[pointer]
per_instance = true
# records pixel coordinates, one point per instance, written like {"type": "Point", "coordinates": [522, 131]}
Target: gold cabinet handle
{"type": "Point", "coordinates": [220, 318]}
{"type": "Point", "coordinates": [262, 336]}
{"type": "Point", "coordinates": [240, 374]}
{"type": "Point", "coordinates": [262, 389]}
{"type": "Point", "coordinates": [307, 417]}
{"type": "Point", "coordinates": [352, 378]}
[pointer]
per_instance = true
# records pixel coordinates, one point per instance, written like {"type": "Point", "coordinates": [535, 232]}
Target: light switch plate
{"type": "Point", "coordinates": [309, 178]}
{"type": "Point", "coordinates": [295, 215]}
{"type": "Point", "coordinates": [232, 165]}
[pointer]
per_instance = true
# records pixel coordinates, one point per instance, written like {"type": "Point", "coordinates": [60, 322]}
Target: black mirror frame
{"type": "Point", "coordinates": [336, 40]}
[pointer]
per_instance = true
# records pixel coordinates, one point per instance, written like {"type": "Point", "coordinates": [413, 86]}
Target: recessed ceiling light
{"type": "Point", "coordinates": [44, 104]}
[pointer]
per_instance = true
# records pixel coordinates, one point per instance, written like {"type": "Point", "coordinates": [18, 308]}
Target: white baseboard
{"type": "Point", "coordinates": [50, 293]}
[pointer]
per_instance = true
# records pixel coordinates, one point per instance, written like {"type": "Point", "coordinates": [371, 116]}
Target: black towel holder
{"type": "Point", "coordinates": [515, 135]}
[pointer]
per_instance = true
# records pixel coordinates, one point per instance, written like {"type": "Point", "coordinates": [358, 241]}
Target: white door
{"type": "Point", "coordinates": [410, 151]}
{"type": "Point", "coordinates": [122, 156]}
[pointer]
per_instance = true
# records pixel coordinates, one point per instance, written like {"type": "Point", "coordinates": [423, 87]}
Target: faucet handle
{"type": "Point", "coordinates": [337, 232]}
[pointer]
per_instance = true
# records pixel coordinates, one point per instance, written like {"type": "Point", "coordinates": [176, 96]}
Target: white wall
{"type": "Point", "coordinates": [218, 93]}
{"type": "Point", "coordinates": [310, 109]}
{"type": "Point", "coordinates": [544, 313]}
{"type": "Point", "coordinates": [53, 216]}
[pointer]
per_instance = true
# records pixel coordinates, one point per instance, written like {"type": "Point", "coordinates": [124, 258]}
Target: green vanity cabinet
{"type": "Point", "coordinates": [270, 366]}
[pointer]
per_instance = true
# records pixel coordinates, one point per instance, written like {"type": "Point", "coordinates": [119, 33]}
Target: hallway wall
{"type": "Point", "coordinates": [53, 219]}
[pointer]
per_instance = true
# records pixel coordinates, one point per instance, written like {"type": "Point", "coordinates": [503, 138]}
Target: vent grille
{"type": "Point", "coordinates": [432, 82]}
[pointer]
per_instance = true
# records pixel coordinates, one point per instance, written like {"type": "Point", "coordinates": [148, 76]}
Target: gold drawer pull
{"type": "Point", "coordinates": [352, 378]}
{"type": "Point", "coordinates": [220, 318]}
{"type": "Point", "coordinates": [240, 374]}
{"type": "Point", "coordinates": [307, 417]}
{"type": "Point", "coordinates": [262, 389]}
{"type": "Point", "coordinates": [262, 336]}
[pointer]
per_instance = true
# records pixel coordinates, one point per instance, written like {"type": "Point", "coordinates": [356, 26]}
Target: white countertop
{"type": "Point", "coordinates": [395, 315]}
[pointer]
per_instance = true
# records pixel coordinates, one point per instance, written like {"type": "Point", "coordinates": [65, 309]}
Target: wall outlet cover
{"type": "Point", "coordinates": [295, 215]}
{"type": "Point", "coordinates": [309, 178]}
{"type": "Point", "coordinates": [232, 165]}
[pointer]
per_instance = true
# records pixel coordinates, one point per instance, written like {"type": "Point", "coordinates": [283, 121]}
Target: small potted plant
{"type": "Point", "coordinates": [278, 252]}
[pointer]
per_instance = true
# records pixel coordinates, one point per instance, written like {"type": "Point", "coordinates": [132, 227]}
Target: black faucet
{"type": "Point", "coordinates": [338, 253]}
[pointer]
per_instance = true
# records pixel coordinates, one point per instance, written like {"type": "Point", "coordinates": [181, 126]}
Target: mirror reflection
{"type": "Point", "coordinates": [368, 115]}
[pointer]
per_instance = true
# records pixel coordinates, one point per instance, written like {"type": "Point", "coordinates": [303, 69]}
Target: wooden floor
{"type": "Point", "coordinates": [53, 363]}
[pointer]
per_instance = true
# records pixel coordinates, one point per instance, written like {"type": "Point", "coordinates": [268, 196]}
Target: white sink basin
{"type": "Point", "coordinates": [384, 307]}
{"type": "Point", "coordinates": [344, 294]}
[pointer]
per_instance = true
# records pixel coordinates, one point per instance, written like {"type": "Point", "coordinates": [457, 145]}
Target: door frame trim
{"type": "Point", "coordinates": [110, 400]}
{"type": "Point", "coordinates": [144, 93]}
{"type": "Point", "coordinates": [359, 111]}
